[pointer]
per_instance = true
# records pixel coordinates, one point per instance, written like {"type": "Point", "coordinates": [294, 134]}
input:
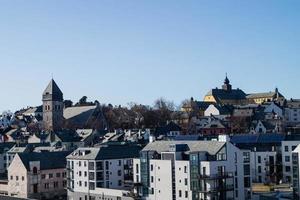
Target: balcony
{"type": "Point", "coordinates": [224, 188]}
{"type": "Point", "coordinates": [226, 175]}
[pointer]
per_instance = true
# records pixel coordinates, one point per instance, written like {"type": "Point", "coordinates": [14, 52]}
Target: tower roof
{"type": "Point", "coordinates": [226, 81]}
{"type": "Point", "coordinates": [52, 92]}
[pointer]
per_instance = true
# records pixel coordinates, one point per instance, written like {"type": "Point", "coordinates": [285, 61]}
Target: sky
{"type": "Point", "coordinates": [121, 51]}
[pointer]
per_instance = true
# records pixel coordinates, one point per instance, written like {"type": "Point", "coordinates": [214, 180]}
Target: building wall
{"type": "Point", "coordinates": [182, 177]}
{"type": "Point", "coordinates": [162, 180]}
{"type": "Point", "coordinates": [111, 174]}
{"type": "Point", "coordinates": [17, 179]}
{"type": "Point", "coordinates": [286, 148]}
{"type": "Point", "coordinates": [261, 166]}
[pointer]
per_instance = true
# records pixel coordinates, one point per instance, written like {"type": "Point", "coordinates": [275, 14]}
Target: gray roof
{"type": "Point", "coordinates": [107, 152]}
{"type": "Point", "coordinates": [52, 92]}
{"type": "Point", "coordinates": [263, 95]}
{"type": "Point", "coordinates": [211, 147]}
{"type": "Point", "coordinates": [75, 111]}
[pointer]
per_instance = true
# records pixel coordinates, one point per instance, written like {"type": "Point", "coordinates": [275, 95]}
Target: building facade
{"type": "Point", "coordinates": [92, 170]}
{"type": "Point", "coordinates": [172, 170]}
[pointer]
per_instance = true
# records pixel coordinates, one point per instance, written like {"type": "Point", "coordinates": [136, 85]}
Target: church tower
{"type": "Point", "coordinates": [227, 85]}
{"type": "Point", "coordinates": [52, 107]}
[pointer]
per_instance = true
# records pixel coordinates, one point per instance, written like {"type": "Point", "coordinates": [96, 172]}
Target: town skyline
{"type": "Point", "coordinates": [115, 103]}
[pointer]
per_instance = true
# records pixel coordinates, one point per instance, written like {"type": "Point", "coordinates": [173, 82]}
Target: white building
{"type": "Point", "coordinates": [91, 170]}
{"type": "Point", "coordinates": [184, 170]}
{"type": "Point", "coordinates": [288, 146]}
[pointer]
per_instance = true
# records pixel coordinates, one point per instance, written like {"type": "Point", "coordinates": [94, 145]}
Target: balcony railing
{"type": "Point", "coordinates": [225, 175]}
{"type": "Point", "coordinates": [223, 188]}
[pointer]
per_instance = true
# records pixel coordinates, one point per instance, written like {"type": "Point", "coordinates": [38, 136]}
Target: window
{"type": "Point", "coordinates": [152, 179]}
{"type": "Point", "coordinates": [43, 176]}
{"type": "Point", "coordinates": [79, 173]}
{"type": "Point", "coordinates": [85, 174]}
{"type": "Point", "coordinates": [180, 193]}
{"type": "Point", "coordinates": [287, 168]}
{"type": "Point", "coordinates": [23, 178]}
{"type": "Point", "coordinates": [286, 148]}
{"type": "Point", "coordinates": [258, 159]}
{"type": "Point", "coordinates": [259, 169]}
{"type": "Point", "coordinates": [185, 181]}
{"type": "Point", "coordinates": [80, 183]}
{"type": "Point", "coordinates": [185, 169]}
{"type": "Point", "coordinates": [92, 186]}
{"type": "Point", "coordinates": [120, 162]}
{"type": "Point", "coordinates": [34, 170]}
{"type": "Point", "coordinates": [11, 178]}
{"type": "Point", "coordinates": [119, 172]}
{"type": "Point", "coordinates": [137, 168]}
{"type": "Point", "coordinates": [91, 165]}
{"type": "Point", "coordinates": [46, 185]}
{"type": "Point", "coordinates": [186, 194]}
{"type": "Point", "coordinates": [57, 175]}
{"type": "Point", "coordinates": [50, 175]}
{"type": "Point", "coordinates": [120, 182]}
{"type": "Point", "coordinates": [287, 158]}
{"type": "Point", "coordinates": [151, 167]}
{"type": "Point", "coordinates": [17, 178]}
{"type": "Point", "coordinates": [79, 163]}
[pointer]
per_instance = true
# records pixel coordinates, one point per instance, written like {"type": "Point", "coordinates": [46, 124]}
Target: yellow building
{"type": "Point", "coordinates": [260, 98]}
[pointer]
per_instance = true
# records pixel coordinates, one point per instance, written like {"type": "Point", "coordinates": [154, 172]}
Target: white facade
{"type": "Point", "coordinates": [175, 179]}
{"type": "Point", "coordinates": [262, 161]}
{"type": "Point", "coordinates": [287, 148]}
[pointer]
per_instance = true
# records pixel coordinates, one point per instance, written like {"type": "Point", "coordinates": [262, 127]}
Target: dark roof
{"type": "Point", "coordinates": [68, 136]}
{"type": "Point", "coordinates": [234, 94]}
{"type": "Point", "coordinates": [292, 137]}
{"type": "Point", "coordinates": [203, 105]}
{"type": "Point", "coordinates": [163, 130]}
{"type": "Point", "coordinates": [6, 145]}
{"type": "Point", "coordinates": [52, 92]}
{"type": "Point", "coordinates": [48, 160]}
{"type": "Point", "coordinates": [267, 138]}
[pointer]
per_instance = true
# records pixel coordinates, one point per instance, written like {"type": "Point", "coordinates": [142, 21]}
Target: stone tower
{"type": "Point", "coordinates": [52, 107]}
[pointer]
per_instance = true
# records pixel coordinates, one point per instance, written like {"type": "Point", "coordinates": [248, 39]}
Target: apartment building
{"type": "Point", "coordinates": [188, 170]}
{"type": "Point", "coordinates": [94, 173]}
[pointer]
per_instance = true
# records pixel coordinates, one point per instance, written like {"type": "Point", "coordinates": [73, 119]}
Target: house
{"type": "Point", "coordinates": [38, 175]}
{"type": "Point", "coordinates": [4, 148]}
{"type": "Point", "coordinates": [93, 172]}
{"type": "Point", "coordinates": [218, 111]}
{"type": "Point", "coordinates": [292, 112]}
{"type": "Point", "coordinates": [226, 95]}
{"type": "Point", "coordinates": [260, 98]}
{"type": "Point", "coordinates": [191, 170]}
{"type": "Point", "coordinates": [169, 130]}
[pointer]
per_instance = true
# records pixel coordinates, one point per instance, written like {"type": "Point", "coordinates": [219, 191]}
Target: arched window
{"type": "Point", "coordinates": [34, 170]}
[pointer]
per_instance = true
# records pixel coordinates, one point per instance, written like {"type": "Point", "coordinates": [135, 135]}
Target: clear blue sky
{"type": "Point", "coordinates": [137, 50]}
